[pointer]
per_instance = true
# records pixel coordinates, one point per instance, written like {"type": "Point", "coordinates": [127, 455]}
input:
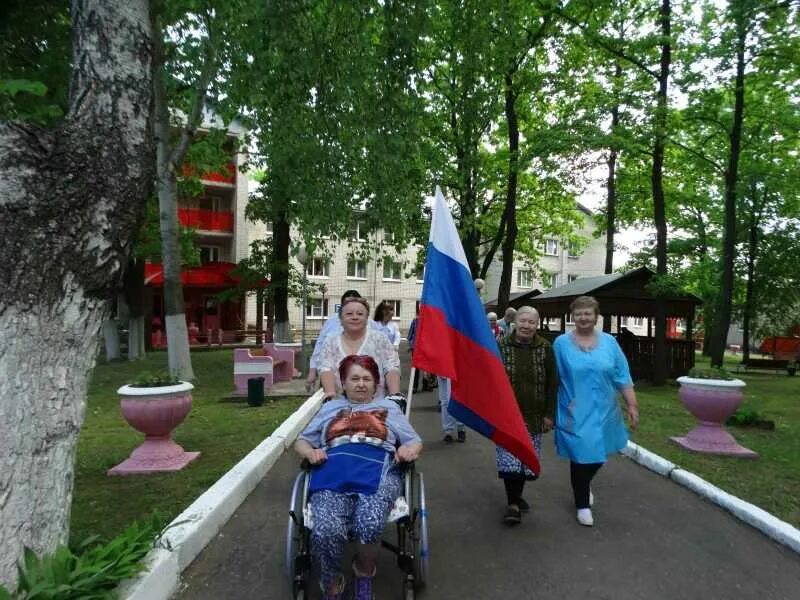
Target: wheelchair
{"type": "Point", "coordinates": [411, 547]}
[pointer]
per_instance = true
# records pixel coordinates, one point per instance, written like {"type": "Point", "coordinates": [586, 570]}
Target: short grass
{"type": "Point", "coordinates": [223, 432]}
{"type": "Point", "coordinates": [773, 481]}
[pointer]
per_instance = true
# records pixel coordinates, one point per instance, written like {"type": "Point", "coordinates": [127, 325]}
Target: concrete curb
{"type": "Point", "coordinates": [194, 528]}
{"type": "Point", "coordinates": [771, 526]}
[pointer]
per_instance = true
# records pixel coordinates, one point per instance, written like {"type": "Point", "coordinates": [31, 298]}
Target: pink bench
{"type": "Point", "coordinates": [250, 364]}
{"type": "Point", "coordinates": [283, 362]}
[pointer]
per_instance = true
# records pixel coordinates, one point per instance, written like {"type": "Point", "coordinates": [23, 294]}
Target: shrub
{"type": "Point", "coordinates": [90, 572]}
{"type": "Point", "coordinates": [711, 373]}
{"type": "Point", "coordinates": [154, 379]}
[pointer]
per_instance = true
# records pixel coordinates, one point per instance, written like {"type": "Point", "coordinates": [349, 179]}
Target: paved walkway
{"type": "Point", "coordinates": [652, 538]}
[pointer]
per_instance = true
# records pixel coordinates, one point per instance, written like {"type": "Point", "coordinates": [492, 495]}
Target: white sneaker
{"type": "Point", "coordinates": [591, 498]}
{"type": "Point", "coordinates": [585, 517]}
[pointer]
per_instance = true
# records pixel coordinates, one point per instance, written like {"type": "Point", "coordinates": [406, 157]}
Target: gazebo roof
{"type": "Point", "coordinates": [623, 294]}
{"type": "Point", "coordinates": [515, 300]}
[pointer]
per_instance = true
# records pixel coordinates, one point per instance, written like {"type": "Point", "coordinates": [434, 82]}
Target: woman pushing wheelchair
{"type": "Point", "coordinates": [355, 443]}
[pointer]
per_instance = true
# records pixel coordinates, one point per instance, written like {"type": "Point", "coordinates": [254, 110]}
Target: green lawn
{"type": "Point", "coordinates": [223, 432]}
{"type": "Point", "coordinates": [773, 481]}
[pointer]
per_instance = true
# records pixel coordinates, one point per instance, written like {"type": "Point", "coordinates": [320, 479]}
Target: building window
{"type": "Point", "coordinates": [388, 237]}
{"type": "Point", "coordinates": [420, 274]}
{"type": "Point", "coordinates": [318, 267]}
{"type": "Point", "coordinates": [358, 232]}
{"type": "Point", "coordinates": [525, 278]}
{"type": "Point", "coordinates": [624, 321]}
{"type": "Point", "coordinates": [356, 269]}
{"type": "Point", "coordinates": [214, 202]}
{"type": "Point", "coordinates": [416, 307]}
{"type": "Point", "coordinates": [550, 280]}
{"type": "Point", "coordinates": [395, 304]}
{"type": "Point", "coordinates": [268, 227]}
{"type": "Point", "coordinates": [317, 308]}
{"type": "Point", "coordinates": [571, 278]}
{"type": "Point", "coordinates": [638, 321]}
{"type": "Point", "coordinates": [572, 250]}
{"type": "Point", "coordinates": [551, 247]}
{"type": "Point", "coordinates": [391, 269]}
{"type": "Point", "coordinates": [210, 254]}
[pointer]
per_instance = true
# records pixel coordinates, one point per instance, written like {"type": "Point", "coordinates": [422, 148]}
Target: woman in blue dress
{"type": "Point", "coordinates": [592, 369]}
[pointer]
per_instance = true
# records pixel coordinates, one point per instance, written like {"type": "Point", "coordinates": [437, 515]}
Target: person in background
{"type": "Point", "coordinates": [506, 324]}
{"type": "Point", "coordinates": [496, 331]}
{"type": "Point", "coordinates": [332, 326]}
{"type": "Point", "coordinates": [358, 338]}
{"type": "Point", "coordinates": [450, 425]}
{"type": "Point", "coordinates": [419, 375]}
{"type": "Point", "coordinates": [589, 424]}
{"type": "Point", "coordinates": [531, 368]}
{"type": "Point", "coordinates": [382, 319]}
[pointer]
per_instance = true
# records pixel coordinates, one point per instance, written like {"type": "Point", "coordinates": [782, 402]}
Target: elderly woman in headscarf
{"type": "Point", "coordinates": [531, 368]}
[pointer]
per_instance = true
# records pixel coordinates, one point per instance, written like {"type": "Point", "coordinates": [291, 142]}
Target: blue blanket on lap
{"type": "Point", "coordinates": [351, 469]}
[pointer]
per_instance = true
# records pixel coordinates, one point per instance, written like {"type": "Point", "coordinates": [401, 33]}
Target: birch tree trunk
{"type": "Point", "coordinates": [134, 298]}
{"type": "Point", "coordinates": [168, 164]}
{"type": "Point", "coordinates": [111, 339]}
{"type": "Point", "coordinates": [70, 202]}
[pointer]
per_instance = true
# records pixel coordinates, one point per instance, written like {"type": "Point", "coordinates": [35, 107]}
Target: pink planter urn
{"type": "Point", "coordinates": [155, 411]}
{"type": "Point", "coordinates": [711, 402]}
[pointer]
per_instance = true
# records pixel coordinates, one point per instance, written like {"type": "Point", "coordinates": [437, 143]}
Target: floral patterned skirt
{"type": "Point", "coordinates": [510, 467]}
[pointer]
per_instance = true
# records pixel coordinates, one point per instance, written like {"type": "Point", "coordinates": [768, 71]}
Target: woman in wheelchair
{"type": "Point", "coordinates": [355, 443]}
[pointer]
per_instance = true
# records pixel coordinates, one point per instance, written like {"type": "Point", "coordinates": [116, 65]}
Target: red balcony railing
{"type": "Point", "coordinates": [205, 219]}
{"type": "Point", "coordinates": [227, 176]}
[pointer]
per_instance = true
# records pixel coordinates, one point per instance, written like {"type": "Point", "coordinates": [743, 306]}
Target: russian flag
{"type": "Point", "coordinates": [454, 341]}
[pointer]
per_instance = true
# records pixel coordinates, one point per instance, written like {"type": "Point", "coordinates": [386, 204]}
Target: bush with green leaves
{"type": "Point", "coordinates": [90, 572]}
{"type": "Point", "coordinates": [711, 373]}
{"type": "Point", "coordinates": [155, 379]}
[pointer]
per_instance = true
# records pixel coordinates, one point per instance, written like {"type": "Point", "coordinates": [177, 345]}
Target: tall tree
{"type": "Point", "coordinates": [719, 334]}
{"type": "Point", "coordinates": [523, 29]}
{"type": "Point", "coordinates": [65, 234]}
{"type": "Point", "coordinates": [169, 163]}
{"type": "Point", "coordinates": [338, 118]}
{"type": "Point", "coordinates": [465, 100]}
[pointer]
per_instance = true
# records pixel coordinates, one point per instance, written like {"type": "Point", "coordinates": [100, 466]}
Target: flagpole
{"type": "Point", "coordinates": [410, 394]}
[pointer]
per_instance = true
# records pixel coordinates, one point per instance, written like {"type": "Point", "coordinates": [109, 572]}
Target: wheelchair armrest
{"type": "Point", "coordinates": [400, 400]}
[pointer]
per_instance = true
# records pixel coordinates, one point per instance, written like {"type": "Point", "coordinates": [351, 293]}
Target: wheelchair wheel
{"type": "Point", "coordinates": [297, 559]}
{"type": "Point", "coordinates": [422, 550]}
{"type": "Point", "coordinates": [409, 593]}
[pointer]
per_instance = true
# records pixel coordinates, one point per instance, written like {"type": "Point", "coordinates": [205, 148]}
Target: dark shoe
{"type": "Point", "coordinates": [448, 439]}
{"type": "Point", "coordinates": [524, 506]}
{"type": "Point", "coordinates": [462, 436]}
{"type": "Point", "coordinates": [512, 516]}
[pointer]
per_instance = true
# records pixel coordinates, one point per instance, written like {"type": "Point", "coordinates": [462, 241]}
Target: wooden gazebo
{"type": "Point", "coordinates": [627, 295]}
{"type": "Point", "coordinates": [515, 300]}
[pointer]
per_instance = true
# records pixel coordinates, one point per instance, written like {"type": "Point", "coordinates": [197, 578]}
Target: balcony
{"type": "Point", "coordinates": [206, 220]}
{"type": "Point", "coordinates": [228, 176]}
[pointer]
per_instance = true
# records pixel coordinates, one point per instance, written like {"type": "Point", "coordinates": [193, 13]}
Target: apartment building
{"type": "Point", "coordinates": [366, 262]}
{"type": "Point", "coordinates": [222, 237]}
{"type": "Point", "coordinates": [560, 263]}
